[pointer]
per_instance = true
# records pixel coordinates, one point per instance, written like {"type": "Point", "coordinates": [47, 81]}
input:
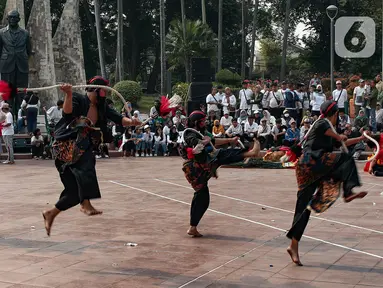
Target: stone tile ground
{"type": "Point", "coordinates": [145, 201]}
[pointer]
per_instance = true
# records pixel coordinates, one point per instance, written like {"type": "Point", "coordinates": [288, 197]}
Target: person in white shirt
{"type": "Point", "coordinates": [229, 102]}
{"type": "Point", "coordinates": [8, 132]}
{"type": "Point", "coordinates": [54, 114]}
{"type": "Point", "coordinates": [344, 119]}
{"type": "Point", "coordinates": [214, 101]}
{"type": "Point", "coordinates": [251, 129]}
{"type": "Point", "coordinates": [245, 96]}
{"type": "Point", "coordinates": [379, 117]}
{"type": "Point", "coordinates": [318, 99]}
{"type": "Point", "coordinates": [177, 118]}
{"type": "Point", "coordinates": [235, 130]}
{"type": "Point", "coordinates": [242, 119]}
{"type": "Point", "coordinates": [358, 96]}
{"type": "Point", "coordinates": [37, 143]}
{"type": "Point", "coordinates": [137, 116]}
{"type": "Point", "coordinates": [160, 140]}
{"type": "Point", "coordinates": [305, 128]}
{"type": "Point", "coordinates": [339, 95]}
{"type": "Point", "coordinates": [263, 134]}
{"type": "Point", "coordinates": [282, 91]}
{"type": "Point", "coordinates": [275, 99]}
{"type": "Point", "coordinates": [278, 133]}
{"type": "Point", "coordinates": [226, 120]}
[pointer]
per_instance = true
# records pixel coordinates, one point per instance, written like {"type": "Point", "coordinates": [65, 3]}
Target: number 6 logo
{"type": "Point", "coordinates": [355, 37]}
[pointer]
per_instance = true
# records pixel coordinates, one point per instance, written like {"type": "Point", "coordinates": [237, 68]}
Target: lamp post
{"type": "Point", "coordinates": [332, 11]}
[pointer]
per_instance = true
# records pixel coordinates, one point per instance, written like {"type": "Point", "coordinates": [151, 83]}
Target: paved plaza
{"type": "Point", "coordinates": [146, 202]}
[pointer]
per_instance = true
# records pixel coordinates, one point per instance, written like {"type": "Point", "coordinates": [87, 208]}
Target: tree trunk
{"type": "Point", "coordinates": [253, 35]}
{"type": "Point", "coordinates": [100, 47]}
{"type": "Point", "coordinates": [285, 38]}
{"type": "Point", "coordinates": [183, 16]}
{"type": "Point", "coordinates": [243, 41]}
{"type": "Point", "coordinates": [152, 82]}
{"type": "Point", "coordinates": [220, 20]}
{"type": "Point", "coordinates": [203, 5]}
{"type": "Point", "coordinates": [162, 39]}
{"type": "Point", "coordinates": [120, 40]}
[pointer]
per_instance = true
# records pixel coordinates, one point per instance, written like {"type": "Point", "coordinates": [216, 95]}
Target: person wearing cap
{"type": "Point", "coordinates": [31, 104]}
{"type": "Point", "coordinates": [264, 134]}
{"type": "Point", "coordinates": [286, 118]}
{"type": "Point", "coordinates": [82, 128]}
{"type": "Point", "coordinates": [245, 96]}
{"type": "Point", "coordinates": [318, 99]}
{"type": "Point", "coordinates": [8, 132]}
{"type": "Point", "coordinates": [293, 134]}
{"type": "Point", "coordinates": [202, 161]}
{"type": "Point", "coordinates": [339, 95]}
{"type": "Point", "coordinates": [320, 171]}
{"type": "Point", "coordinates": [358, 95]}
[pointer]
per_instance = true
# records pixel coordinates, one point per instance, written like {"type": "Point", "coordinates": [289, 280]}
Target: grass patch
{"type": "Point", "coordinates": [146, 102]}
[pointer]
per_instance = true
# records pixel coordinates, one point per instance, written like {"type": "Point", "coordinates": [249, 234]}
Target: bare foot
{"type": "Point", "coordinates": [194, 232]}
{"type": "Point", "coordinates": [354, 196]}
{"type": "Point", "coordinates": [253, 153]}
{"type": "Point", "coordinates": [49, 217]}
{"type": "Point", "coordinates": [88, 209]}
{"type": "Point", "coordinates": [294, 256]}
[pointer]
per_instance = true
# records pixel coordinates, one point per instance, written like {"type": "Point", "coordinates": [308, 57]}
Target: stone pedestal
{"type": "Point", "coordinates": [67, 46]}
{"type": "Point", "coordinates": [42, 69]}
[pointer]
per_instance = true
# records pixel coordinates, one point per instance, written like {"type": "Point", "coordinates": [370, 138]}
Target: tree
{"type": "Point", "coordinates": [180, 52]}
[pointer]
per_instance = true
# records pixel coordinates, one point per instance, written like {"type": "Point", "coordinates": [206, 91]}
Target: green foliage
{"type": "Point", "coordinates": [181, 89]}
{"type": "Point", "coordinates": [227, 78]}
{"type": "Point", "coordinates": [130, 90]}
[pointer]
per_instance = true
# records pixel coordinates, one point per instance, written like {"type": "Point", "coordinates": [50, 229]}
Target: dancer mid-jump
{"type": "Point", "coordinates": [202, 162]}
{"type": "Point", "coordinates": [81, 128]}
{"type": "Point", "coordinates": [322, 171]}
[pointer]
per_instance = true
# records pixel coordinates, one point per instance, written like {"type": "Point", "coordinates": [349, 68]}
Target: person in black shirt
{"type": "Point", "coordinates": [76, 135]}
{"type": "Point", "coordinates": [321, 171]}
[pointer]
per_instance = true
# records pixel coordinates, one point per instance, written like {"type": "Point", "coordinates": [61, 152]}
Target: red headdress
{"type": "Point", "coordinates": [5, 90]}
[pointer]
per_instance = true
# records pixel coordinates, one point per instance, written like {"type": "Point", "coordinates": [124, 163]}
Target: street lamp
{"type": "Point", "coordinates": [332, 11]}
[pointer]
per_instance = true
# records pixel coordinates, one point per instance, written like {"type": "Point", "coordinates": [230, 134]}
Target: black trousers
{"type": "Point", "coordinates": [345, 171]}
{"type": "Point", "coordinates": [79, 180]}
{"type": "Point", "coordinates": [37, 151]}
{"type": "Point", "coordinates": [199, 205]}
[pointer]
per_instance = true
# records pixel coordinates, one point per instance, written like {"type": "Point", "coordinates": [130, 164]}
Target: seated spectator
{"type": "Point", "coordinates": [226, 120]}
{"type": "Point", "coordinates": [344, 119]}
{"type": "Point", "coordinates": [361, 121]}
{"type": "Point", "coordinates": [356, 149]}
{"type": "Point", "coordinates": [251, 129]}
{"type": "Point", "coordinates": [103, 151]}
{"type": "Point", "coordinates": [54, 114]}
{"type": "Point", "coordinates": [242, 119]}
{"type": "Point", "coordinates": [257, 117]}
{"type": "Point", "coordinates": [379, 117]}
{"type": "Point", "coordinates": [305, 128]}
{"type": "Point", "coordinates": [128, 145]}
{"type": "Point", "coordinates": [166, 129]}
{"type": "Point", "coordinates": [235, 130]}
{"type": "Point", "coordinates": [21, 121]}
{"type": "Point", "coordinates": [177, 119]}
{"type": "Point", "coordinates": [137, 116]}
{"type": "Point", "coordinates": [292, 135]}
{"type": "Point", "coordinates": [117, 133]}
{"type": "Point", "coordinates": [264, 134]}
{"type": "Point", "coordinates": [148, 138]}
{"type": "Point", "coordinates": [278, 133]}
{"type": "Point", "coordinates": [172, 140]}
{"type": "Point", "coordinates": [37, 143]}
{"type": "Point", "coordinates": [286, 119]}
{"type": "Point", "coordinates": [210, 121]}
{"type": "Point", "coordinates": [160, 141]}
{"type": "Point", "coordinates": [218, 130]}
{"type": "Point", "coordinates": [140, 143]}
{"type": "Point", "coordinates": [270, 119]}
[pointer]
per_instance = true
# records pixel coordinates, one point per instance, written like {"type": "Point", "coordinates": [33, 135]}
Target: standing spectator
{"type": "Point", "coordinates": [257, 102]}
{"type": "Point", "coordinates": [358, 96]}
{"type": "Point", "coordinates": [278, 133]}
{"type": "Point", "coordinates": [229, 102]}
{"type": "Point", "coordinates": [37, 143]}
{"type": "Point", "coordinates": [379, 86]}
{"type": "Point", "coordinates": [282, 91]}
{"type": "Point", "coordinates": [275, 101]}
{"type": "Point", "coordinates": [371, 109]}
{"type": "Point", "coordinates": [264, 134]}
{"type": "Point", "coordinates": [291, 100]}
{"type": "Point", "coordinates": [292, 135]}
{"type": "Point", "coordinates": [226, 120]}
{"type": "Point", "coordinates": [299, 104]}
{"type": "Point", "coordinates": [251, 129]}
{"type": "Point", "coordinates": [214, 102]}
{"type": "Point", "coordinates": [315, 81]}
{"type": "Point", "coordinates": [245, 96]}
{"type": "Point", "coordinates": [306, 101]}
{"type": "Point", "coordinates": [32, 104]}
{"type": "Point", "coordinates": [8, 132]}
{"type": "Point", "coordinates": [339, 95]}
{"type": "Point", "coordinates": [54, 114]}
{"type": "Point", "coordinates": [21, 121]}
{"type": "Point", "coordinates": [318, 99]}
{"type": "Point", "coordinates": [218, 130]}
{"type": "Point", "coordinates": [160, 140]}
{"type": "Point", "coordinates": [305, 128]}
{"type": "Point", "coordinates": [379, 117]}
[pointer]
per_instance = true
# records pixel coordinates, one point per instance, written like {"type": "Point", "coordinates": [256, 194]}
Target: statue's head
{"type": "Point", "coordinates": [13, 18]}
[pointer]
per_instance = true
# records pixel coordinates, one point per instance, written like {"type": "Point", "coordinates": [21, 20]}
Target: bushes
{"type": "Point", "coordinates": [130, 90]}
{"type": "Point", "coordinates": [228, 78]}
{"type": "Point", "coordinates": [181, 89]}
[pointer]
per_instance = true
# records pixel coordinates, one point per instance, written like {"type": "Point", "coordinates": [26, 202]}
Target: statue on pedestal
{"type": "Point", "coordinates": [15, 49]}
